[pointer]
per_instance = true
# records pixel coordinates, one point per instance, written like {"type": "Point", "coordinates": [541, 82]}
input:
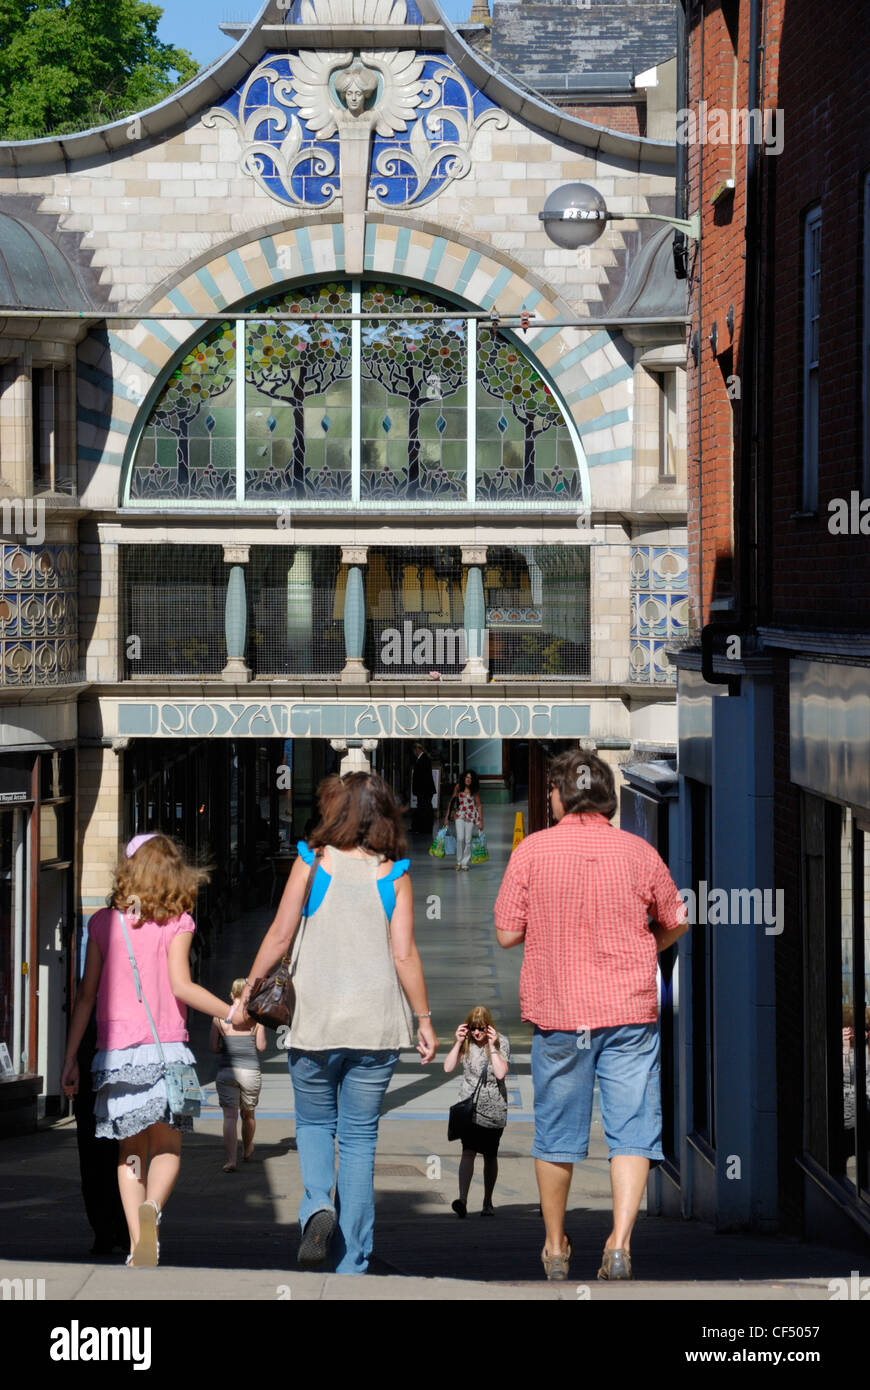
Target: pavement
{"type": "Point", "coordinates": [234, 1236]}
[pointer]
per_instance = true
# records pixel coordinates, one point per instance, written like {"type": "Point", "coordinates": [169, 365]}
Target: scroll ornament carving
{"type": "Point", "coordinates": [422, 114]}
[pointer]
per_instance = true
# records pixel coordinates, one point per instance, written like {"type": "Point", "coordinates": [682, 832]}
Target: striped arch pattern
{"type": "Point", "coordinates": [117, 373]}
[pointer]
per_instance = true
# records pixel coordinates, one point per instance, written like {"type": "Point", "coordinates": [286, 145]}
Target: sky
{"type": "Point", "coordinates": [193, 24]}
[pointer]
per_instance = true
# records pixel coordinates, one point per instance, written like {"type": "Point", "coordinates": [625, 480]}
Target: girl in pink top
{"type": "Point", "coordinates": [130, 1102]}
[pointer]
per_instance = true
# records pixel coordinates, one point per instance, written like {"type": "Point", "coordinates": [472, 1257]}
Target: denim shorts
{"type": "Point", "coordinates": [564, 1067]}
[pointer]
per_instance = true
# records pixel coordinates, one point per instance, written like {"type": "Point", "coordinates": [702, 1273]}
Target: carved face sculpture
{"type": "Point", "coordinates": [354, 98]}
{"type": "Point", "coordinates": [354, 86]}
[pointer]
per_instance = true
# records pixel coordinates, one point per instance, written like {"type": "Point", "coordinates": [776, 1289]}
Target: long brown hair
{"type": "Point", "coordinates": [157, 883]}
{"type": "Point", "coordinates": [481, 1017]}
{"type": "Point", "coordinates": [359, 811]}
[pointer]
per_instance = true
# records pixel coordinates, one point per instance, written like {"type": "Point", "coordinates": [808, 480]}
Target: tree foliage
{"type": "Point", "coordinates": [67, 65]}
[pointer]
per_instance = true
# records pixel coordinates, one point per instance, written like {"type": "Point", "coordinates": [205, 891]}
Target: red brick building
{"type": "Point", "coordinates": [774, 695]}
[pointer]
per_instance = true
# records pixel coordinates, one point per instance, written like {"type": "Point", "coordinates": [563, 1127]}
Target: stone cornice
{"type": "Point", "coordinates": [140, 130]}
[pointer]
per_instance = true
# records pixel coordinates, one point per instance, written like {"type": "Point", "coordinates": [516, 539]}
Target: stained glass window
{"type": "Point", "coordinates": [414, 401]}
{"type": "Point", "coordinates": [188, 447]}
{"type": "Point", "coordinates": [524, 447]}
{"type": "Point", "coordinates": [298, 399]}
{"type": "Point", "coordinates": [372, 411]}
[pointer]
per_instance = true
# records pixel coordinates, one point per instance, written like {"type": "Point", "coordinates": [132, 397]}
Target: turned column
{"type": "Point", "coordinates": [236, 670]}
{"type": "Point", "coordinates": [355, 557]}
{"type": "Point", "coordinates": [476, 667]}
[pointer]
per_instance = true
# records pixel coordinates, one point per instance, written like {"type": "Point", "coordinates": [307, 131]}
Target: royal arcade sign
{"type": "Point", "coordinates": [381, 719]}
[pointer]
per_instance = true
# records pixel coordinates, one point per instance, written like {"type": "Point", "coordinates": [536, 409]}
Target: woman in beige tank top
{"type": "Point", "coordinates": [359, 987]}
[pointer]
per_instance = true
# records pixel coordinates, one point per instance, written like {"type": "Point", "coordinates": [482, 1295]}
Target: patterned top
{"type": "Point", "coordinates": [491, 1109]}
{"type": "Point", "coordinates": [582, 893]}
{"type": "Point", "coordinates": [467, 810]}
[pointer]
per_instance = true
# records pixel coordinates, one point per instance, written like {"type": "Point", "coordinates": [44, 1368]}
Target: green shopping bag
{"type": "Point", "coordinates": [479, 852]}
{"type": "Point", "coordinates": [436, 849]}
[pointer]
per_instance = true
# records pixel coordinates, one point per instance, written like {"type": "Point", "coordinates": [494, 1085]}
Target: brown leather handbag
{"type": "Point", "coordinates": [273, 997]}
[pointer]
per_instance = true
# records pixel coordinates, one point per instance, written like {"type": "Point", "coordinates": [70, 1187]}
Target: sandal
{"type": "Point", "coordinates": [229, 1167]}
{"type": "Point", "coordinates": [314, 1247]}
{"type": "Point", "coordinates": [556, 1267]}
{"type": "Point", "coordinates": [615, 1264]}
{"type": "Point", "coordinates": [147, 1251]}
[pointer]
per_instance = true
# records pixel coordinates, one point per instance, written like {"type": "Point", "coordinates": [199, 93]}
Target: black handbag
{"type": "Point", "coordinates": [461, 1116]}
{"type": "Point", "coordinates": [273, 997]}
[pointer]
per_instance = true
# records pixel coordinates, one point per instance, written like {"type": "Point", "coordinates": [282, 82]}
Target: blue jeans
{"type": "Point", "coordinates": [338, 1095]}
{"type": "Point", "coordinates": [626, 1062]}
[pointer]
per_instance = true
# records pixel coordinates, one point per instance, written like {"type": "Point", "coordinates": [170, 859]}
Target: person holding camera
{"type": "Point", "coordinates": [485, 1056]}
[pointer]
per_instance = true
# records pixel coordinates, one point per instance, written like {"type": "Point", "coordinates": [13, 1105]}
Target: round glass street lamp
{"type": "Point", "coordinates": [575, 215]}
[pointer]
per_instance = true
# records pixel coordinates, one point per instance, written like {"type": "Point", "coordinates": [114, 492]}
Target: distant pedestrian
{"type": "Point", "coordinates": [359, 986]}
{"type": "Point", "coordinates": [131, 1099]}
{"type": "Point", "coordinates": [468, 811]}
{"type": "Point", "coordinates": [422, 792]}
{"type": "Point", "coordinates": [579, 896]}
{"type": "Point", "coordinates": [238, 1080]}
{"type": "Point", "coordinates": [485, 1056]}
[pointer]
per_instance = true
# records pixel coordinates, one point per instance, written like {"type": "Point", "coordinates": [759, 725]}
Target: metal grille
{"type": "Point", "coordinates": [414, 611]}
{"type": "Point", "coordinates": [296, 602]}
{"type": "Point", "coordinates": [174, 610]}
{"type": "Point", "coordinates": [537, 611]}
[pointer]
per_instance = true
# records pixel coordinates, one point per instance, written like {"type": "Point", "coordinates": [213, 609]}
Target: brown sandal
{"type": "Point", "coordinates": [615, 1264]}
{"type": "Point", "coordinates": [557, 1267]}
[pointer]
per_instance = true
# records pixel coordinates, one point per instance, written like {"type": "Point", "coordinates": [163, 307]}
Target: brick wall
{"type": "Point", "coordinates": [824, 89]}
{"type": "Point", "coordinates": [629, 118]}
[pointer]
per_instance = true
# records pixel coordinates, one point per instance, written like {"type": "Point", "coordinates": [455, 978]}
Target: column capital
{"type": "Point", "coordinates": [237, 554]}
{"type": "Point", "coordinates": [338, 745]}
{"type": "Point", "coordinates": [354, 554]}
{"type": "Point", "coordinates": [474, 555]}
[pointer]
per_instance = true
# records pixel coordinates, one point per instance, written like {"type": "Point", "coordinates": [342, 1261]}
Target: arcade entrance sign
{"type": "Point", "coordinates": [379, 719]}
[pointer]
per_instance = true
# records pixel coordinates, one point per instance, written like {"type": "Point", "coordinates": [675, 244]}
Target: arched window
{"type": "Point", "coordinates": [429, 408]}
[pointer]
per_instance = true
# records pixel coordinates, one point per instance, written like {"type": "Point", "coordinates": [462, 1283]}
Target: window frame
{"type": "Point", "coordinates": [812, 276]}
{"type": "Point", "coordinates": [355, 501]}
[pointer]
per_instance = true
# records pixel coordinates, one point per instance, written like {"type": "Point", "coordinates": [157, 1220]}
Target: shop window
{"type": "Point", "coordinates": [849, 933]}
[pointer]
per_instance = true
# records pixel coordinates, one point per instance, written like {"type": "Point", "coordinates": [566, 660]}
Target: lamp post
{"type": "Point", "coordinates": [575, 215]}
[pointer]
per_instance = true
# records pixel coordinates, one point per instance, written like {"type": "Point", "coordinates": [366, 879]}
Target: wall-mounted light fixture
{"type": "Point", "coordinates": [575, 215]}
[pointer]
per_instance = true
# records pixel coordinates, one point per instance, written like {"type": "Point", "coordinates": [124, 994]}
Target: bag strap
{"type": "Point", "coordinates": [303, 914]}
{"type": "Point", "coordinates": [480, 1083]}
{"type": "Point", "coordinates": [139, 991]}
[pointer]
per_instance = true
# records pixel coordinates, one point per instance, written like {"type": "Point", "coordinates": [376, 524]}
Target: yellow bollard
{"type": "Point", "coordinates": [519, 830]}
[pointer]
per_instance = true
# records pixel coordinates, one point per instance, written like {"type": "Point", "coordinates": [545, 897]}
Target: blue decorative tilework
{"type": "Point", "coordinates": [295, 165]}
{"type": "Point", "coordinates": [659, 610]}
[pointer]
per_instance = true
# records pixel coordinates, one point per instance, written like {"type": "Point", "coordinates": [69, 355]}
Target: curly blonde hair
{"type": "Point", "coordinates": [157, 883]}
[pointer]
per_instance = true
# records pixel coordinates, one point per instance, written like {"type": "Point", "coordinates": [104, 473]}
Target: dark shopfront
{"type": "Point", "coordinates": [37, 829]}
{"type": "Point", "coordinates": [241, 805]}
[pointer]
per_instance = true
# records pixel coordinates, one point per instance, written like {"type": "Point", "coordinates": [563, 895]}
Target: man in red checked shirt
{"type": "Point", "coordinates": [579, 897]}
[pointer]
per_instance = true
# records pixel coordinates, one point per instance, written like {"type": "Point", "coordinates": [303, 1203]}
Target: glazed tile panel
{"type": "Point", "coordinates": [659, 610]}
{"type": "Point", "coordinates": [38, 615]}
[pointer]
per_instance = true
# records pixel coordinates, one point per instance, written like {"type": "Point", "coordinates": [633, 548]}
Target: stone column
{"type": "Point", "coordinates": [100, 786]}
{"type": "Point", "coordinates": [355, 556]}
{"type": "Point", "coordinates": [236, 670]}
{"type": "Point", "coordinates": [476, 667]}
{"type": "Point", "coordinates": [16, 436]}
{"type": "Point", "coordinates": [354, 759]}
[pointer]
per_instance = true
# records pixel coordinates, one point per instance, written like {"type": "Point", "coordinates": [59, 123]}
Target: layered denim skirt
{"type": "Point", "coordinates": [130, 1092]}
